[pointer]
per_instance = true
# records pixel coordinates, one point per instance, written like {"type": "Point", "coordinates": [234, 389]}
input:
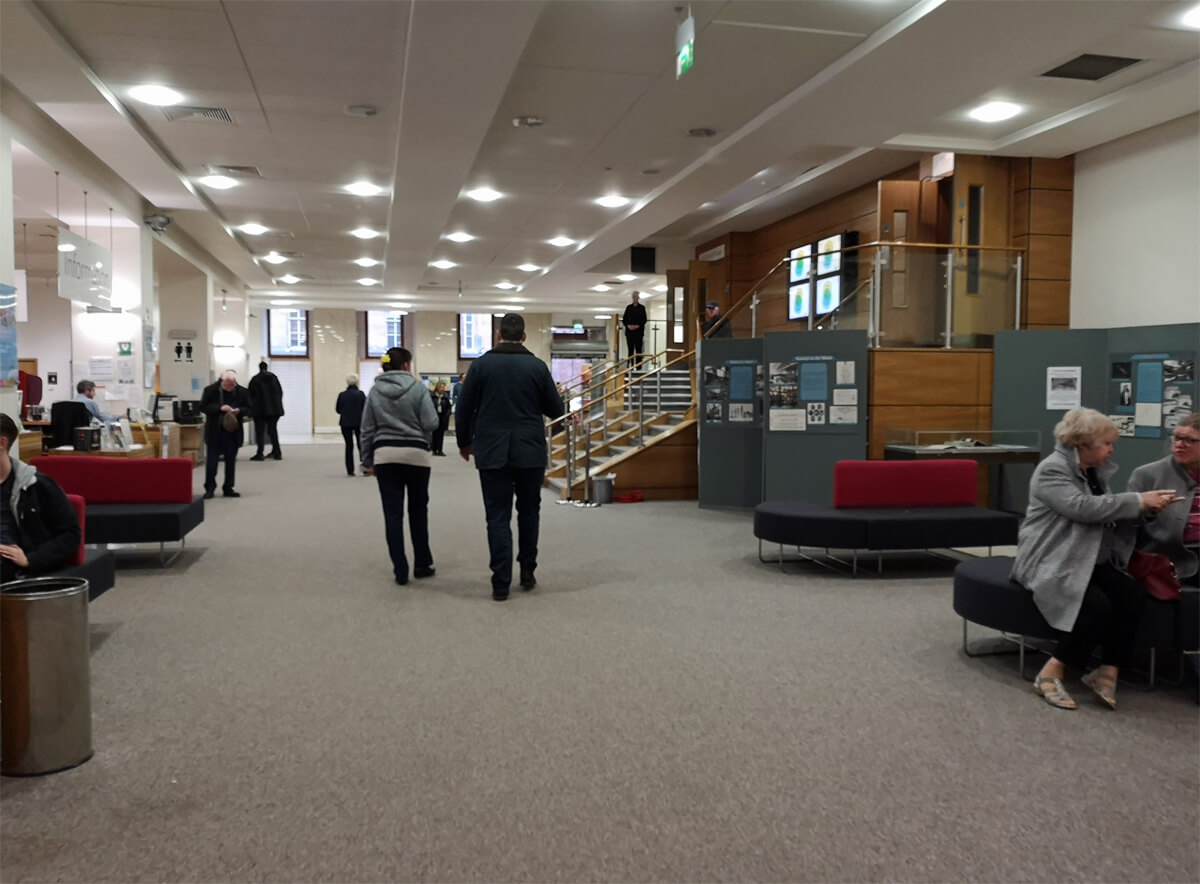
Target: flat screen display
{"type": "Point", "coordinates": [800, 264]}
{"type": "Point", "coordinates": [829, 258]}
{"type": "Point", "coordinates": [829, 294]}
{"type": "Point", "coordinates": [799, 300]}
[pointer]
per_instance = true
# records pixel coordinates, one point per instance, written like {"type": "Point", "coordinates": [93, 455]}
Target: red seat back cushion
{"type": "Point", "coordinates": [120, 479]}
{"type": "Point", "coordinates": [903, 483]}
{"type": "Point", "coordinates": [80, 514]}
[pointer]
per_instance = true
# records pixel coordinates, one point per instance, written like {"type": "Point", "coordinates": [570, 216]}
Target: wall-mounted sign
{"type": "Point", "coordinates": [181, 333]}
{"type": "Point", "coordinates": [714, 254]}
{"type": "Point", "coordinates": [84, 271]}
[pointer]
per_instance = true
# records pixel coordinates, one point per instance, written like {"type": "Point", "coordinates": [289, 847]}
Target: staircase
{"type": "Point", "coordinates": [669, 390]}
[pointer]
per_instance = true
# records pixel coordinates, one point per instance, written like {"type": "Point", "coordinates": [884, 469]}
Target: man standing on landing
{"type": "Point", "coordinates": [634, 321]}
{"type": "Point", "coordinates": [500, 418]}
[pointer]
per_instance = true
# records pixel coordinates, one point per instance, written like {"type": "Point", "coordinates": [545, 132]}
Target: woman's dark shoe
{"type": "Point", "coordinates": [424, 572]}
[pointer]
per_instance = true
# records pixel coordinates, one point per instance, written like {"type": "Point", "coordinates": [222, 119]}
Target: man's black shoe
{"type": "Point", "coordinates": [258, 457]}
{"type": "Point", "coordinates": [528, 581]}
{"type": "Point", "coordinates": [276, 456]}
{"type": "Point", "coordinates": [499, 596]}
{"type": "Point", "coordinates": [209, 495]}
{"type": "Point", "coordinates": [424, 572]}
{"type": "Point", "coordinates": [230, 493]}
{"type": "Point", "coordinates": [402, 581]}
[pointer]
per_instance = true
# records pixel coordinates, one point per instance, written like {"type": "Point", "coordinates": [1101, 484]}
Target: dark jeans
{"type": "Point", "coordinates": [226, 446]}
{"type": "Point", "coordinates": [353, 441]}
{"type": "Point", "coordinates": [1111, 610]}
{"type": "Point", "coordinates": [634, 342]}
{"type": "Point", "coordinates": [499, 487]}
{"type": "Point", "coordinates": [439, 435]}
{"type": "Point", "coordinates": [271, 426]}
{"type": "Point", "coordinates": [394, 480]}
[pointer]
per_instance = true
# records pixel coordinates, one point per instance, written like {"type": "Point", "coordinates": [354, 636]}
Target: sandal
{"type": "Point", "coordinates": [1053, 692]}
{"type": "Point", "coordinates": [1103, 686]}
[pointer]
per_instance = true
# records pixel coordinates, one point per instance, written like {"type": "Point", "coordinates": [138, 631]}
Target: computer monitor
{"type": "Point", "coordinates": [187, 411]}
{"type": "Point", "coordinates": [164, 407]}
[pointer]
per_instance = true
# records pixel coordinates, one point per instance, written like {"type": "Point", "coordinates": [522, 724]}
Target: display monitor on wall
{"type": "Point", "coordinates": [829, 255]}
{"type": "Point", "coordinates": [799, 300]}
{"type": "Point", "coordinates": [829, 294]}
{"type": "Point", "coordinates": [800, 264]}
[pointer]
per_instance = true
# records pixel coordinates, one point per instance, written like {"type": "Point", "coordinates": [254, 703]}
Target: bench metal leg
{"type": "Point", "coordinates": [1018, 640]}
{"type": "Point", "coordinates": [163, 561]}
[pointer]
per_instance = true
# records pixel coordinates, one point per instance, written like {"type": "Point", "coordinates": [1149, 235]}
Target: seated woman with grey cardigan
{"type": "Point", "coordinates": [1069, 555]}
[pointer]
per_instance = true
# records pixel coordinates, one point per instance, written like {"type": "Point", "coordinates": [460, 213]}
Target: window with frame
{"type": "Point", "coordinates": [385, 329]}
{"type": "Point", "coordinates": [474, 334]}
{"type": "Point", "coordinates": [287, 332]}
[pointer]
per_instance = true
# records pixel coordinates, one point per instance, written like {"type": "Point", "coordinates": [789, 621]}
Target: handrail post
{"type": "Point", "coordinates": [587, 466]}
{"type": "Point", "coordinates": [754, 316]}
{"type": "Point", "coordinates": [641, 417]}
{"type": "Point", "coordinates": [658, 391]}
{"type": "Point", "coordinates": [876, 292]}
{"type": "Point", "coordinates": [949, 297]}
{"type": "Point", "coordinates": [1017, 316]}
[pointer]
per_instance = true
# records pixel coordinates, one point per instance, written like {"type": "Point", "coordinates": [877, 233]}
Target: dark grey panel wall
{"type": "Point", "coordinates": [799, 465]}
{"type": "Point", "coordinates": [730, 451]}
{"type": "Point", "coordinates": [1019, 390]}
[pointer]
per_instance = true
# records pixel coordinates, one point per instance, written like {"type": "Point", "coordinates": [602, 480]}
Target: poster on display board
{"type": "Point", "coordinates": [732, 391]}
{"type": "Point", "coordinates": [810, 393]}
{"type": "Point", "coordinates": [9, 366]}
{"type": "Point", "coordinates": [1149, 393]}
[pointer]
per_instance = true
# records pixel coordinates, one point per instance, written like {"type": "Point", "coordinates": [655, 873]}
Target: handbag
{"type": "Point", "coordinates": [229, 422]}
{"type": "Point", "coordinates": [1156, 573]}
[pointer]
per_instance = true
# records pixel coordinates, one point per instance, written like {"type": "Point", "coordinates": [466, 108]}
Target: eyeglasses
{"type": "Point", "coordinates": [1184, 440]}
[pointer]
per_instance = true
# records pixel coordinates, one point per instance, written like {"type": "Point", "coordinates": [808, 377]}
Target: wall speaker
{"type": "Point", "coordinates": [641, 259]}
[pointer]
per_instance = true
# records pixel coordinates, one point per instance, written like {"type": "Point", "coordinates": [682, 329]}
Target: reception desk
{"type": "Point", "coordinates": [135, 452]}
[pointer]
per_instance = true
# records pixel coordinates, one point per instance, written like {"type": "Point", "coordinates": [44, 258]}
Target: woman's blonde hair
{"type": "Point", "coordinates": [1084, 428]}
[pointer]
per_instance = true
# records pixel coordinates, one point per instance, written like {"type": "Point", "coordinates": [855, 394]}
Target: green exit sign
{"type": "Point", "coordinates": [685, 46]}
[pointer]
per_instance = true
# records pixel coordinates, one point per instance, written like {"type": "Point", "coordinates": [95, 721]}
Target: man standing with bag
{"type": "Point", "coordinates": [500, 419]}
{"type": "Point", "coordinates": [225, 406]}
{"type": "Point", "coordinates": [267, 395]}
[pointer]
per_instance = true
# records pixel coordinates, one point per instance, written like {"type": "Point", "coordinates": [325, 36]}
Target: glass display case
{"type": "Point", "coordinates": [986, 446]}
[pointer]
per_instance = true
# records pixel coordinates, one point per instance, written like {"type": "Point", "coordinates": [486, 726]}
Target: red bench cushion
{"type": "Point", "coordinates": [80, 513]}
{"type": "Point", "coordinates": [121, 480]}
{"type": "Point", "coordinates": [903, 483]}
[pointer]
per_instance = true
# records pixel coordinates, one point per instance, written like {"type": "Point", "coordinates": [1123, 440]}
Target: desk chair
{"type": "Point", "coordinates": [65, 417]}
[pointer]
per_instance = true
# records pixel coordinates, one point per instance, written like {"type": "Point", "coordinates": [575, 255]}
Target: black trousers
{"type": "Point", "coordinates": [353, 441]}
{"type": "Point", "coordinates": [634, 341]}
{"type": "Point", "coordinates": [499, 487]}
{"type": "Point", "coordinates": [226, 446]}
{"type": "Point", "coordinates": [1111, 610]}
{"type": "Point", "coordinates": [439, 435]}
{"type": "Point", "coordinates": [396, 480]}
{"type": "Point", "coordinates": [271, 426]}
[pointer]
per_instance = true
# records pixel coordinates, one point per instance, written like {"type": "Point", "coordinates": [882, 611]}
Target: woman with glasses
{"type": "Point", "coordinates": [1070, 555]}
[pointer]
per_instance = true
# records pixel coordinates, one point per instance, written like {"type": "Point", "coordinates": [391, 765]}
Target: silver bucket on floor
{"type": "Point", "coordinates": [45, 680]}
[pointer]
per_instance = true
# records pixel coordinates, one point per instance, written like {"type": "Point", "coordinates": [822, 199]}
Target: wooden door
{"type": "Point", "coordinates": [908, 277]}
{"type": "Point", "coordinates": [706, 282]}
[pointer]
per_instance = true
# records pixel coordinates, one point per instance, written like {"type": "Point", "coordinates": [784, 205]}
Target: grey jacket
{"type": "Point", "coordinates": [1061, 535]}
{"type": "Point", "coordinates": [399, 412]}
{"type": "Point", "coordinates": [1163, 532]}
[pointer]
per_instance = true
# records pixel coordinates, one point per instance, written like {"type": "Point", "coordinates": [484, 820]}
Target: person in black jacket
{"type": "Point", "coordinates": [634, 321]}
{"type": "Point", "coordinates": [444, 407]}
{"type": "Point", "coordinates": [349, 408]}
{"type": "Point", "coordinates": [499, 419]}
{"type": "Point", "coordinates": [220, 398]}
{"type": "Point", "coordinates": [39, 531]}
{"type": "Point", "coordinates": [714, 320]}
{"type": "Point", "coordinates": [267, 395]}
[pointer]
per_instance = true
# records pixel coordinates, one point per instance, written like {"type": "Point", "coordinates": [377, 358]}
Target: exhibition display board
{"type": "Point", "coordinates": [731, 397]}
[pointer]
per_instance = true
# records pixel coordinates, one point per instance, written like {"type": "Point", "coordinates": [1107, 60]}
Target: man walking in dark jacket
{"type": "Point", "coordinates": [39, 530]}
{"type": "Point", "coordinates": [350, 404]}
{"type": "Point", "coordinates": [634, 320]}
{"type": "Point", "coordinates": [500, 419]}
{"type": "Point", "coordinates": [225, 405]}
{"type": "Point", "coordinates": [266, 394]}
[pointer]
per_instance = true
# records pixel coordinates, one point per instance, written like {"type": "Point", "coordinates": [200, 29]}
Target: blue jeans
{"type": "Point", "coordinates": [396, 479]}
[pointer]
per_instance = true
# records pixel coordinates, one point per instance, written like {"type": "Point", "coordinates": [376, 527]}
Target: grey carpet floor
{"type": "Point", "coordinates": [662, 708]}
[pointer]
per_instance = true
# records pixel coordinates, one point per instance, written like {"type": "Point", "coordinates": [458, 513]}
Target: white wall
{"type": "Point", "coordinates": [1135, 257]}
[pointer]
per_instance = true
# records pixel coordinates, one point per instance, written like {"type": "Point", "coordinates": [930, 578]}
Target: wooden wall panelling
{"type": "Point", "coordinates": [1020, 173]}
{"type": "Point", "coordinates": [1047, 302]}
{"type": "Point", "coordinates": [923, 417]}
{"type": "Point", "coordinates": [665, 471]}
{"type": "Point", "coordinates": [1049, 257]}
{"type": "Point", "coordinates": [930, 377]}
{"type": "Point", "coordinates": [1050, 211]}
{"type": "Point", "coordinates": [1052, 174]}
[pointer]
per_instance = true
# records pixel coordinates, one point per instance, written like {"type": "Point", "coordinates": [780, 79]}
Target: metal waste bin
{"type": "Point", "coordinates": [45, 684]}
{"type": "Point", "coordinates": [602, 487]}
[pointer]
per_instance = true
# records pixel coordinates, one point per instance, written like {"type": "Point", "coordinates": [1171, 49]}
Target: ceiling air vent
{"type": "Point", "coordinates": [182, 112]}
{"type": "Point", "coordinates": [1091, 67]}
{"type": "Point", "coordinates": [235, 171]}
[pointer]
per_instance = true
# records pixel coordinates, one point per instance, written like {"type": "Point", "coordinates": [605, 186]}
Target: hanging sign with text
{"type": "Point", "coordinates": [84, 271]}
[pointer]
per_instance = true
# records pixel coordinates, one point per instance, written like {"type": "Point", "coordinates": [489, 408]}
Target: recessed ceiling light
{"type": "Point", "coordinates": [460, 236]}
{"type": "Point", "coordinates": [603, 316]}
{"type": "Point", "coordinates": [660, 288]}
{"type": "Point", "coordinates": [366, 280]}
{"type": "Point", "coordinates": [498, 315]}
{"type": "Point", "coordinates": [366, 262]}
{"type": "Point", "coordinates": [364, 233]}
{"type": "Point", "coordinates": [364, 188]}
{"type": "Point", "coordinates": [443, 264]}
{"type": "Point", "coordinates": [274, 258]}
{"type": "Point", "coordinates": [601, 288]}
{"type": "Point", "coordinates": [1191, 18]}
{"type": "Point", "coordinates": [66, 247]}
{"type": "Point", "coordinates": [529, 268]}
{"type": "Point", "coordinates": [505, 285]}
{"type": "Point", "coordinates": [561, 242]}
{"type": "Point", "coordinates": [282, 303]}
{"type": "Point", "coordinates": [994, 111]}
{"type": "Point", "coordinates": [613, 201]}
{"type": "Point", "coordinates": [513, 308]}
{"type": "Point", "coordinates": [289, 279]}
{"type": "Point", "coordinates": [218, 182]}
{"type": "Point", "coordinates": [160, 96]}
{"type": "Point", "coordinates": [253, 229]}
{"type": "Point", "coordinates": [400, 305]}
{"type": "Point", "coordinates": [484, 194]}
{"type": "Point", "coordinates": [627, 277]}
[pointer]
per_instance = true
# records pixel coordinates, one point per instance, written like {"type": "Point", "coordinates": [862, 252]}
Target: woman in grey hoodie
{"type": "Point", "coordinates": [397, 422]}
